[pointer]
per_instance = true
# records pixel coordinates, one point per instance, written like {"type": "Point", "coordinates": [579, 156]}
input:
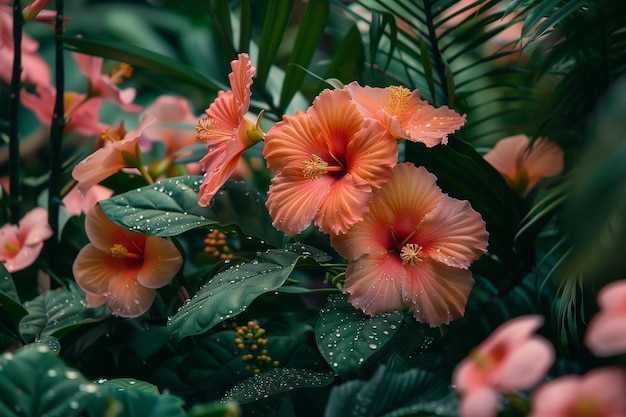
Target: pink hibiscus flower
{"type": "Point", "coordinates": [606, 334]}
{"type": "Point", "coordinates": [76, 202]}
{"type": "Point", "coordinates": [21, 244]}
{"type": "Point", "coordinates": [105, 86]}
{"type": "Point", "coordinates": [115, 155]}
{"type": "Point", "coordinates": [413, 249]}
{"type": "Point", "coordinates": [511, 359]}
{"type": "Point", "coordinates": [599, 393]}
{"type": "Point", "coordinates": [122, 266]}
{"type": "Point", "coordinates": [225, 130]}
{"type": "Point", "coordinates": [327, 162]}
{"type": "Point", "coordinates": [169, 111]}
{"type": "Point", "coordinates": [523, 168]}
{"type": "Point", "coordinates": [405, 115]}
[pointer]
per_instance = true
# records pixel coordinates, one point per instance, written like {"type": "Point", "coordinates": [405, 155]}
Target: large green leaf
{"type": "Point", "coordinates": [230, 292]}
{"type": "Point", "coordinates": [11, 311]}
{"type": "Point", "coordinates": [35, 382]}
{"type": "Point", "coordinates": [412, 393]}
{"type": "Point", "coordinates": [310, 31]}
{"type": "Point", "coordinates": [170, 207]}
{"type": "Point", "coordinates": [277, 17]}
{"type": "Point", "coordinates": [346, 337]}
{"type": "Point", "coordinates": [56, 312]}
{"type": "Point", "coordinates": [276, 381]}
{"type": "Point", "coordinates": [142, 58]}
{"type": "Point", "coordinates": [7, 286]}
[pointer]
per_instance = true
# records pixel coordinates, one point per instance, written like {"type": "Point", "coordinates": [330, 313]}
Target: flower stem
{"type": "Point", "coordinates": [56, 141]}
{"type": "Point", "coordinates": [14, 136]}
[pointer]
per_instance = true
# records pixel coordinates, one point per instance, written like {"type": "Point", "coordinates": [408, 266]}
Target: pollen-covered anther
{"type": "Point", "coordinates": [119, 251]}
{"type": "Point", "coordinates": [411, 254]}
{"type": "Point", "coordinates": [398, 99]}
{"type": "Point", "coordinates": [110, 134]}
{"type": "Point", "coordinates": [314, 167]}
{"type": "Point", "coordinates": [120, 73]}
{"type": "Point", "coordinates": [206, 128]}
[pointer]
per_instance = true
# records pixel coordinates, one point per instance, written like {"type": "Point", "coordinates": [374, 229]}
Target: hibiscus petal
{"type": "Point", "coordinates": [128, 298]}
{"type": "Point", "coordinates": [436, 293]}
{"type": "Point", "coordinates": [526, 365]}
{"type": "Point", "coordinates": [34, 228]}
{"type": "Point", "coordinates": [218, 166]}
{"type": "Point", "coordinates": [293, 201]}
{"type": "Point", "coordinates": [103, 233]}
{"type": "Point", "coordinates": [345, 204]}
{"type": "Point", "coordinates": [240, 81]}
{"type": "Point", "coordinates": [93, 269]}
{"type": "Point", "coordinates": [480, 403]}
{"type": "Point", "coordinates": [338, 118]}
{"type": "Point", "coordinates": [26, 256]}
{"type": "Point", "coordinates": [453, 233]}
{"type": "Point", "coordinates": [507, 153]}
{"type": "Point", "coordinates": [369, 100]}
{"type": "Point", "coordinates": [160, 263]}
{"type": "Point", "coordinates": [606, 334]}
{"type": "Point", "coordinates": [374, 284]}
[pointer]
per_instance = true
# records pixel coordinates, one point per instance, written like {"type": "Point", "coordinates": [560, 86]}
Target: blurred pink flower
{"type": "Point", "coordinates": [109, 159]}
{"type": "Point", "coordinates": [225, 130]}
{"type": "Point", "coordinates": [606, 334]}
{"type": "Point", "coordinates": [171, 114]}
{"type": "Point", "coordinates": [105, 86]}
{"type": "Point", "coordinates": [122, 266]}
{"type": "Point", "coordinates": [76, 202]}
{"type": "Point", "coordinates": [599, 393]}
{"type": "Point", "coordinates": [21, 244]}
{"type": "Point", "coordinates": [511, 359]}
{"type": "Point", "coordinates": [327, 163]}
{"type": "Point", "coordinates": [34, 11]}
{"type": "Point", "coordinates": [405, 115]}
{"type": "Point", "coordinates": [82, 115]}
{"type": "Point", "coordinates": [523, 168]}
{"type": "Point", "coordinates": [413, 249]}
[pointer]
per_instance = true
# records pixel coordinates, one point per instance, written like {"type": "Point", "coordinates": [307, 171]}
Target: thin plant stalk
{"type": "Point", "coordinates": [14, 135]}
{"type": "Point", "coordinates": [56, 141]}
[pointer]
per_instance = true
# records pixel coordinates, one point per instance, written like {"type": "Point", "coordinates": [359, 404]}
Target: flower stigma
{"type": "Point", "coordinates": [411, 254]}
{"type": "Point", "coordinates": [398, 100]}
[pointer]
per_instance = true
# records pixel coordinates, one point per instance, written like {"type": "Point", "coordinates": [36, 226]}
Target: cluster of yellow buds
{"type": "Point", "coordinates": [250, 337]}
{"type": "Point", "coordinates": [216, 246]}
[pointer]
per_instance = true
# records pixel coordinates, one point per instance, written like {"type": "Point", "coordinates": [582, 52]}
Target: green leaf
{"type": "Point", "coordinates": [122, 384]}
{"type": "Point", "coordinates": [142, 58]}
{"type": "Point", "coordinates": [276, 381]}
{"type": "Point", "coordinates": [36, 382]}
{"type": "Point", "coordinates": [170, 207]}
{"type": "Point", "coordinates": [56, 312]}
{"type": "Point", "coordinates": [412, 393]}
{"type": "Point", "coordinates": [215, 409]}
{"type": "Point", "coordinates": [122, 399]}
{"type": "Point", "coordinates": [277, 17]}
{"type": "Point", "coordinates": [11, 313]}
{"type": "Point", "coordinates": [346, 337]}
{"type": "Point", "coordinates": [7, 286]}
{"type": "Point", "coordinates": [230, 292]}
{"type": "Point", "coordinates": [347, 61]}
{"type": "Point", "coordinates": [310, 30]}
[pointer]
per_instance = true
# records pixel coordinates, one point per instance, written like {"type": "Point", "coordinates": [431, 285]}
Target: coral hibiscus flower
{"type": "Point", "coordinates": [122, 266]}
{"type": "Point", "coordinates": [326, 162]}
{"type": "Point", "coordinates": [405, 115]}
{"type": "Point", "coordinates": [606, 334]}
{"type": "Point", "coordinates": [115, 155]}
{"type": "Point", "coordinates": [76, 202]}
{"type": "Point", "coordinates": [598, 393]}
{"type": "Point", "coordinates": [523, 167]}
{"type": "Point", "coordinates": [509, 360]}
{"type": "Point", "coordinates": [21, 244]}
{"type": "Point", "coordinates": [413, 249]}
{"type": "Point", "coordinates": [225, 130]}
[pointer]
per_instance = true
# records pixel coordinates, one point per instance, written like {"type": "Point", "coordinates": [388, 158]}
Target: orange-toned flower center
{"type": "Point", "coordinates": [398, 99]}
{"type": "Point", "coordinates": [206, 128]}
{"type": "Point", "coordinates": [119, 251]}
{"type": "Point", "coordinates": [586, 407]}
{"type": "Point", "coordinates": [315, 167]}
{"type": "Point", "coordinates": [11, 247]}
{"type": "Point", "coordinates": [111, 134]}
{"type": "Point", "coordinates": [411, 254]}
{"type": "Point", "coordinates": [120, 73]}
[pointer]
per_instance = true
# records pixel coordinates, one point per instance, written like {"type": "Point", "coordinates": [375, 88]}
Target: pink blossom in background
{"type": "Point", "coordinates": [109, 159]}
{"type": "Point", "coordinates": [225, 130]}
{"type": "Point", "coordinates": [21, 244]}
{"type": "Point", "coordinates": [598, 393]}
{"type": "Point", "coordinates": [123, 268]}
{"type": "Point", "coordinates": [606, 333]}
{"type": "Point", "coordinates": [326, 163]}
{"type": "Point", "coordinates": [76, 202]}
{"type": "Point", "coordinates": [523, 167]}
{"type": "Point", "coordinates": [105, 86]}
{"type": "Point", "coordinates": [511, 359]}
{"type": "Point", "coordinates": [412, 250]}
{"type": "Point", "coordinates": [405, 115]}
